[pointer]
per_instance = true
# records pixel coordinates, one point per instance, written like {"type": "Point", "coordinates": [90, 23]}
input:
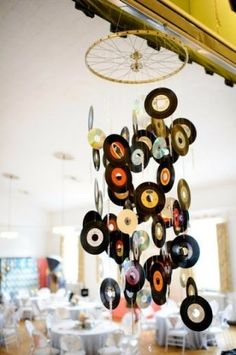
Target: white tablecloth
{"type": "Point", "coordinates": [195, 340]}
{"type": "Point", "coordinates": [92, 339]}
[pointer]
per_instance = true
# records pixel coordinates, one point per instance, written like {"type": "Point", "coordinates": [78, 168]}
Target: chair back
{"type": "Point", "coordinates": [39, 340]}
{"type": "Point", "coordinates": [29, 327]}
{"type": "Point", "coordinates": [70, 343]}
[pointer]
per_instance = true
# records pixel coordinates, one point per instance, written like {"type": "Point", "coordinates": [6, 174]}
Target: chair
{"type": "Point", "coordinates": [113, 343]}
{"type": "Point", "coordinates": [224, 316]}
{"type": "Point", "coordinates": [9, 336]}
{"type": "Point", "coordinates": [71, 345]}
{"type": "Point", "coordinates": [175, 335]}
{"type": "Point", "coordinates": [40, 344]}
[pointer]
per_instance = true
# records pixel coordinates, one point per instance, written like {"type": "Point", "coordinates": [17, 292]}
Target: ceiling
{"type": "Point", "coordinates": [46, 91]}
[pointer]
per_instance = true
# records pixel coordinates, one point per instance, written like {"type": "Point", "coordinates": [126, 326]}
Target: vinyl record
{"type": "Point", "coordinates": [142, 217]}
{"type": "Point", "coordinates": [110, 221]}
{"type": "Point", "coordinates": [144, 136]}
{"type": "Point", "coordinates": [159, 298]}
{"type": "Point", "coordinates": [90, 118]}
{"type": "Point", "coordinates": [143, 239]}
{"type": "Point", "coordinates": [159, 127]}
{"type": "Point", "coordinates": [120, 198]}
{"type": "Point", "coordinates": [158, 283]}
{"type": "Point", "coordinates": [94, 237]}
{"type": "Point", "coordinates": [135, 246]}
{"type": "Point", "coordinates": [167, 212]}
{"type": "Point", "coordinates": [189, 128]}
{"type": "Point", "coordinates": [96, 191]}
{"type": "Point", "coordinates": [118, 178]}
{"type": "Point", "coordinates": [119, 246]}
{"type": "Point", "coordinates": [130, 297]}
{"type": "Point", "coordinates": [144, 298]}
{"type": "Point", "coordinates": [134, 121]}
{"type": "Point", "coordinates": [191, 287]}
{"type": "Point", "coordinates": [196, 313]}
{"type": "Point", "coordinates": [149, 198]}
{"type": "Point", "coordinates": [134, 277]}
{"type": "Point", "coordinates": [110, 293]}
{"type": "Point", "coordinates": [179, 140]}
{"type": "Point", "coordinates": [96, 138]}
{"type": "Point", "coordinates": [158, 231]}
{"type": "Point", "coordinates": [127, 221]}
{"type": "Point", "coordinates": [148, 264]}
{"type": "Point", "coordinates": [166, 176]}
{"type": "Point", "coordinates": [165, 261]}
{"type": "Point", "coordinates": [140, 155]}
{"type": "Point", "coordinates": [116, 149]}
{"type": "Point", "coordinates": [125, 133]}
{"type": "Point", "coordinates": [91, 216]}
{"type": "Point", "coordinates": [184, 194]}
{"type": "Point", "coordinates": [185, 251]}
{"type": "Point", "coordinates": [180, 219]}
{"type": "Point", "coordinates": [160, 103]}
{"type": "Point", "coordinates": [96, 159]}
{"type": "Point", "coordinates": [159, 148]}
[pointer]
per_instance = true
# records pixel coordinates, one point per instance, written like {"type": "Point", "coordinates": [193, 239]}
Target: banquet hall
{"type": "Point", "coordinates": [55, 110]}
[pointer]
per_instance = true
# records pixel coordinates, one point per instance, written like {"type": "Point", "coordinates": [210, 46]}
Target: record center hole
{"type": "Point", "coordinates": [149, 198]}
{"type": "Point", "coordinates": [118, 176]}
{"type": "Point", "coordinates": [196, 313]}
{"type": "Point", "coordinates": [132, 276]}
{"type": "Point", "coordinates": [180, 140]}
{"type": "Point", "coordinates": [127, 221]}
{"type": "Point", "coordinates": [184, 251]}
{"type": "Point", "coordinates": [110, 292]}
{"type": "Point", "coordinates": [94, 237]}
{"type": "Point", "coordinates": [97, 138]}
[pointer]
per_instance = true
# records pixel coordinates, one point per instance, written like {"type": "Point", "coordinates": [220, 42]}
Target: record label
{"type": "Point", "coordinates": [158, 231]}
{"type": "Point", "coordinates": [118, 178]}
{"type": "Point", "coordinates": [134, 277]}
{"type": "Point", "coordinates": [127, 221]}
{"type": "Point", "coordinates": [160, 103]}
{"type": "Point", "coordinates": [116, 149]}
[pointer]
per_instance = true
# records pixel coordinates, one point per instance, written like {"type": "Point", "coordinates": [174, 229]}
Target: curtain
{"type": "Point", "coordinates": [224, 257]}
{"type": "Point", "coordinates": [81, 277]}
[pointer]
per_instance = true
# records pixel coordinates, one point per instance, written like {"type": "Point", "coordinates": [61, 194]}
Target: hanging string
{"type": "Point", "coordinates": [9, 203]}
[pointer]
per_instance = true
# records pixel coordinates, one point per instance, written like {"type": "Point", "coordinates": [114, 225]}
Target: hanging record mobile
{"type": "Point", "coordinates": [122, 235]}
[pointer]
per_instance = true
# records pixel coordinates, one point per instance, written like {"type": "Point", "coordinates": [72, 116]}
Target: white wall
{"type": "Point", "coordinates": [30, 221]}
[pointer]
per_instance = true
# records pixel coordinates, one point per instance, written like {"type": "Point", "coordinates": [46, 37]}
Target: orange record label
{"type": "Point", "coordinates": [117, 150]}
{"type": "Point", "coordinates": [158, 281]}
{"type": "Point", "coordinates": [119, 248]}
{"type": "Point", "coordinates": [165, 176]}
{"type": "Point", "coordinates": [118, 177]}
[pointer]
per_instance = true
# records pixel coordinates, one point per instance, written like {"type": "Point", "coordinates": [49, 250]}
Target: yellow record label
{"type": "Point", "coordinates": [149, 198]}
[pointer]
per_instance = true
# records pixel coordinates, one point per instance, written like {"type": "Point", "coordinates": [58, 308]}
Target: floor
{"type": "Point", "coordinates": [227, 341]}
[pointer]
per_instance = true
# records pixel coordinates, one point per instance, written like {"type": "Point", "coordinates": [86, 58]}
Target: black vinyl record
{"type": "Point", "coordinates": [180, 218]}
{"type": "Point", "coordinates": [149, 198]}
{"type": "Point", "coordinates": [96, 159]}
{"type": "Point", "coordinates": [116, 149]}
{"type": "Point", "coordinates": [91, 216]}
{"type": "Point", "coordinates": [196, 313]}
{"type": "Point", "coordinates": [94, 237]}
{"type": "Point", "coordinates": [119, 246]}
{"type": "Point", "coordinates": [110, 221]}
{"type": "Point", "coordinates": [160, 103]}
{"type": "Point", "coordinates": [119, 199]}
{"type": "Point", "coordinates": [118, 178]}
{"type": "Point", "coordinates": [179, 140]}
{"type": "Point", "coordinates": [144, 136]}
{"type": "Point", "coordinates": [158, 283]}
{"type": "Point", "coordinates": [165, 261]}
{"type": "Point", "coordinates": [185, 251]}
{"type": "Point", "coordinates": [158, 231]}
{"type": "Point", "coordinates": [140, 155]}
{"type": "Point", "coordinates": [135, 277]}
{"type": "Point", "coordinates": [159, 128]}
{"type": "Point", "coordinates": [110, 293]}
{"type": "Point", "coordinates": [189, 128]}
{"type": "Point", "coordinates": [148, 264]}
{"type": "Point", "coordinates": [166, 176]}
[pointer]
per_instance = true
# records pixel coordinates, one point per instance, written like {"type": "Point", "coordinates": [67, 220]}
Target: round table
{"type": "Point", "coordinates": [93, 339]}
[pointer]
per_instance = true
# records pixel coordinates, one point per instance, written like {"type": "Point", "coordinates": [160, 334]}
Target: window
{"type": "Point", "coordinates": [206, 270]}
{"type": "Point", "coordinates": [70, 255]}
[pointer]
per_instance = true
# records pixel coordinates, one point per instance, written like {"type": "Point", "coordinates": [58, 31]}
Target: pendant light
{"type": "Point", "coordinates": [9, 233]}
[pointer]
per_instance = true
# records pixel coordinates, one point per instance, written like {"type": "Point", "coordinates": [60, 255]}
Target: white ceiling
{"type": "Point", "coordinates": [46, 91]}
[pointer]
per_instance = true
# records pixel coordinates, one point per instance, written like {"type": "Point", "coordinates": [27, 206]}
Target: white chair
{"type": "Point", "coordinates": [71, 345]}
{"type": "Point", "coordinates": [113, 343]}
{"type": "Point", "coordinates": [9, 337]}
{"type": "Point", "coordinates": [224, 316]}
{"type": "Point", "coordinates": [176, 335]}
